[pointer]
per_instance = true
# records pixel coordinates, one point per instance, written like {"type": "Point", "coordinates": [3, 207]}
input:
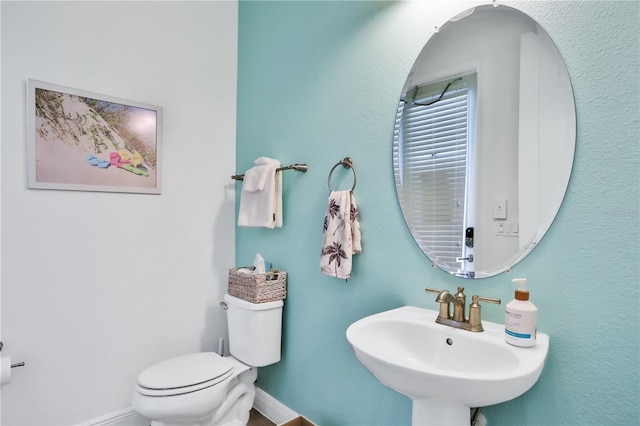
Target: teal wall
{"type": "Point", "coordinates": [319, 81]}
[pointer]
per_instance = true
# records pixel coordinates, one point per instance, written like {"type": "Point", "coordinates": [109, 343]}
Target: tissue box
{"type": "Point", "coordinates": [258, 288]}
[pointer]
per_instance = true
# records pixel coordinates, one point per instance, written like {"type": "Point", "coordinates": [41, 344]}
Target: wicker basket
{"type": "Point", "coordinates": [258, 288]}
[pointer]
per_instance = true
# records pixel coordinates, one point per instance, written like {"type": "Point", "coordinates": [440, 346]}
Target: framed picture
{"type": "Point", "coordinates": [83, 141]}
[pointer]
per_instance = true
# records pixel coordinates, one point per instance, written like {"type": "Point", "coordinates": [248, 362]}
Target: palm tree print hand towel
{"type": "Point", "coordinates": [341, 235]}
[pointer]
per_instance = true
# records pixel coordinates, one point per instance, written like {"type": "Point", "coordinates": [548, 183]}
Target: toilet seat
{"type": "Point", "coordinates": [184, 374]}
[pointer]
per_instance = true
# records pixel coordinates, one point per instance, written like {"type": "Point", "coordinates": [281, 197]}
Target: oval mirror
{"type": "Point", "coordinates": [484, 141]}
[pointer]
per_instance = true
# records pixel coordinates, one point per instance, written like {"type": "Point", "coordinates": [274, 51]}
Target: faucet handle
{"type": "Point", "coordinates": [445, 312]}
{"type": "Point", "coordinates": [475, 320]}
{"type": "Point", "coordinates": [476, 299]}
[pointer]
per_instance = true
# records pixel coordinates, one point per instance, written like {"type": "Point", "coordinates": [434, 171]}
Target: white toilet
{"type": "Point", "coordinates": [206, 388]}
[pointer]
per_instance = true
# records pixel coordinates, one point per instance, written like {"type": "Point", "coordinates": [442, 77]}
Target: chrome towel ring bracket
{"type": "Point", "coordinates": [347, 163]}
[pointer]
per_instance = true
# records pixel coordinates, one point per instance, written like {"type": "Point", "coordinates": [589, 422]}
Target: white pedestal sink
{"type": "Point", "coordinates": [444, 370]}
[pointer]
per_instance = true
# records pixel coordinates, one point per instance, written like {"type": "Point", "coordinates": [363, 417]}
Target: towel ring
{"type": "Point", "coordinates": [347, 163]}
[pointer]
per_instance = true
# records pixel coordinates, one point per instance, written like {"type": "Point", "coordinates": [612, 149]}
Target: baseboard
{"type": "Point", "coordinates": [271, 408]}
{"type": "Point", "coordinates": [126, 417]}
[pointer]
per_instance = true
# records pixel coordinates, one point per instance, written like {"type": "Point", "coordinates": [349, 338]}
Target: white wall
{"type": "Point", "coordinates": [97, 286]}
{"type": "Point", "coordinates": [0, 200]}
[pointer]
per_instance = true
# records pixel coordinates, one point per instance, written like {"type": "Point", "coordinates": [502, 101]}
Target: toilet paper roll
{"type": "Point", "coordinates": [5, 370]}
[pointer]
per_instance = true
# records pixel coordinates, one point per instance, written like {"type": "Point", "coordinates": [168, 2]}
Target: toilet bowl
{"type": "Point", "coordinates": [208, 389]}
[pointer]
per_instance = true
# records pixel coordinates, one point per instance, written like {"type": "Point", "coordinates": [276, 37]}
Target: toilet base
{"type": "Point", "coordinates": [235, 410]}
{"type": "Point", "coordinates": [235, 414]}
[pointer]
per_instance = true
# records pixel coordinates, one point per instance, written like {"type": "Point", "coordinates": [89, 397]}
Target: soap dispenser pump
{"type": "Point", "coordinates": [521, 317]}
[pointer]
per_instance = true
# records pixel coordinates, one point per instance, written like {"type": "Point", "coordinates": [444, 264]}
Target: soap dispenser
{"type": "Point", "coordinates": [521, 317]}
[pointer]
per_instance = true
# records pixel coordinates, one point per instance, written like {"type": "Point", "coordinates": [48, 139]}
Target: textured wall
{"type": "Point", "coordinates": [319, 81]}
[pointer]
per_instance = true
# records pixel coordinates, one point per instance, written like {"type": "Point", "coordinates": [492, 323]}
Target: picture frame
{"type": "Point", "coordinates": [83, 141]}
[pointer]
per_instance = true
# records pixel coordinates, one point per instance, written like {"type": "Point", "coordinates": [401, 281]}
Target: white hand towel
{"type": "Point", "coordinates": [341, 236]}
{"type": "Point", "coordinates": [261, 196]}
{"type": "Point", "coordinates": [256, 177]}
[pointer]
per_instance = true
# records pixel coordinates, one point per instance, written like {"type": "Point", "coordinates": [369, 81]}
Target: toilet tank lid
{"type": "Point", "coordinates": [236, 301]}
{"type": "Point", "coordinates": [185, 370]}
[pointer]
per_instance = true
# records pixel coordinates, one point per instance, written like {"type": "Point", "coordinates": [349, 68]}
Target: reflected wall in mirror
{"type": "Point", "coordinates": [484, 141]}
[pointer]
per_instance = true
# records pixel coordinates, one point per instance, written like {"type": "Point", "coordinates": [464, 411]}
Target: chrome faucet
{"type": "Point", "coordinates": [458, 320]}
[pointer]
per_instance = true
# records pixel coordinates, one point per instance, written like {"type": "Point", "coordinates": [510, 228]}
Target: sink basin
{"type": "Point", "coordinates": [444, 370]}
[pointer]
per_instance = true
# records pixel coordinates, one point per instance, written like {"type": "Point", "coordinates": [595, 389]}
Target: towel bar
{"type": "Point", "coordinates": [347, 163]}
{"type": "Point", "coordinates": [297, 167]}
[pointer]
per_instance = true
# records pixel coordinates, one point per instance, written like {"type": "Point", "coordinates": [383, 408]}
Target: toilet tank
{"type": "Point", "coordinates": [255, 330]}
